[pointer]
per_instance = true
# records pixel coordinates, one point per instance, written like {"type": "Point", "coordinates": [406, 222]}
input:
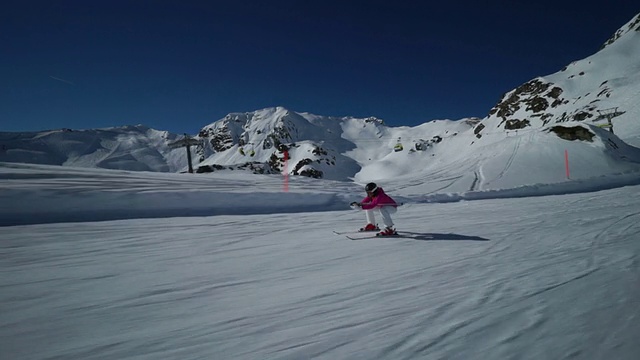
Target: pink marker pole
{"type": "Point", "coordinates": [286, 171]}
{"type": "Point", "coordinates": [566, 162]}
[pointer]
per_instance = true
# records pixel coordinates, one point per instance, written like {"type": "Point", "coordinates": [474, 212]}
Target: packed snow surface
{"type": "Point", "coordinates": [221, 266]}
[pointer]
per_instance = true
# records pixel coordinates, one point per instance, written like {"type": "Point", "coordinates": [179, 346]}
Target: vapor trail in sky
{"type": "Point", "coordinates": [63, 80]}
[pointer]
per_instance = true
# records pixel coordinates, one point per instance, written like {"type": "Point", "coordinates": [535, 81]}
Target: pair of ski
{"type": "Point", "coordinates": [360, 235]}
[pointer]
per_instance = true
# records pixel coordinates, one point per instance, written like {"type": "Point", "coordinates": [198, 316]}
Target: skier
{"type": "Point", "coordinates": [377, 200]}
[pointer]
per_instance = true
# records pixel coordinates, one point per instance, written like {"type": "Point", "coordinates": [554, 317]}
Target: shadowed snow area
{"type": "Point", "coordinates": [36, 194]}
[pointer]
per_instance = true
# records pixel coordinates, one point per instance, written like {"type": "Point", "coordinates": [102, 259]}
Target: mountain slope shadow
{"type": "Point", "coordinates": [437, 236]}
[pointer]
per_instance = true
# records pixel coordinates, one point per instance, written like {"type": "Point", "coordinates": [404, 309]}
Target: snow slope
{"type": "Point", "coordinates": [241, 269]}
{"type": "Point", "coordinates": [52, 194]}
{"type": "Point", "coordinates": [137, 148]}
{"type": "Point", "coordinates": [528, 158]}
{"type": "Point", "coordinates": [360, 150]}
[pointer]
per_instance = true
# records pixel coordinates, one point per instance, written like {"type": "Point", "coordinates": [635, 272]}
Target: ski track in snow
{"type": "Point", "coordinates": [254, 287]}
{"type": "Point", "coordinates": [510, 159]}
{"type": "Point", "coordinates": [476, 180]}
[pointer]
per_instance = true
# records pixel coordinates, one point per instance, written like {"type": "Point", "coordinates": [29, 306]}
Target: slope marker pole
{"type": "Point", "coordinates": [286, 171]}
{"type": "Point", "coordinates": [566, 162]}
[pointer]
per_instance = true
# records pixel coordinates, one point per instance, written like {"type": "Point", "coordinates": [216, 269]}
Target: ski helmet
{"type": "Point", "coordinates": [371, 188]}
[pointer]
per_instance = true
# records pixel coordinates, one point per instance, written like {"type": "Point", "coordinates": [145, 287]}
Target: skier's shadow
{"type": "Point", "coordinates": [437, 236]}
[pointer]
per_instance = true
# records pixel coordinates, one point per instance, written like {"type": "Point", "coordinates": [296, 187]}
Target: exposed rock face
{"type": "Point", "coordinates": [633, 26]}
{"type": "Point", "coordinates": [573, 133]}
{"type": "Point", "coordinates": [255, 167]}
{"type": "Point", "coordinates": [307, 172]}
{"type": "Point", "coordinates": [276, 163]}
{"type": "Point", "coordinates": [478, 130]}
{"type": "Point", "coordinates": [374, 120]}
{"type": "Point", "coordinates": [516, 124]}
{"type": "Point", "coordinates": [220, 139]}
{"type": "Point", "coordinates": [534, 96]}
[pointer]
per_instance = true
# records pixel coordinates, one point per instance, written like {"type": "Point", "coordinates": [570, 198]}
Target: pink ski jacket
{"type": "Point", "coordinates": [381, 199]}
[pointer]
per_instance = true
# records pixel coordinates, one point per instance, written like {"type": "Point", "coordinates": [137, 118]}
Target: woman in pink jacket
{"type": "Point", "coordinates": [377, 200]}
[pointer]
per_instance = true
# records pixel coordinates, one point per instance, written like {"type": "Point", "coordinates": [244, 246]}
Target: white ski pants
{"type": "Point", "coordinates": [385, 212]}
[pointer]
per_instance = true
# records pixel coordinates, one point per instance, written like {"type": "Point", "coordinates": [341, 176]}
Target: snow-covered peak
{"type": "Point", "coordinates": [625, 32]}
{"type": "Point", "coordinates": [607, 81]}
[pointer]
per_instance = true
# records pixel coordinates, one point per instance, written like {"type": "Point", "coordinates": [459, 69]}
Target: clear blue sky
{"type": "Point", "coordinates": [180, 65]}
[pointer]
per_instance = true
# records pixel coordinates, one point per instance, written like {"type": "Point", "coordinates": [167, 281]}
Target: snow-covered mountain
{"type": "Point", "coordinates": [313, 143]}
{"type": "Point", "coordinates": [136, 148]}
{"type": "Point", "coordinates": [336, 148]}
{"type": "Point", "coordinates": [558, 119]}
{"type": "Point", "coordinates": [550, 128]}
{"type": "Point", "coordinates": [588, 90]}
